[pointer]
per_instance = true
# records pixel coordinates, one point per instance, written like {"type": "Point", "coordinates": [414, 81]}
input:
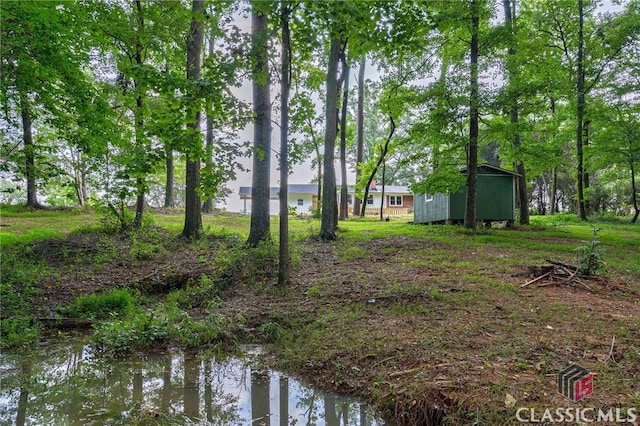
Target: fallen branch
{"type": "Point", "coordinates": [537, 279]}
{"type": "Point", "coordinates": [613, 342]}
{"type": "Point", "coordinates": [557, 273]}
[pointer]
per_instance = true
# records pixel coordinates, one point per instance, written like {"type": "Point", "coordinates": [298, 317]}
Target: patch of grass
{"type": "Point", "coordinates": [101, 306]}
{"type": "Point", "coordinates": [351, 253]}
{"type": "Point", "coordinates": [314, 290]}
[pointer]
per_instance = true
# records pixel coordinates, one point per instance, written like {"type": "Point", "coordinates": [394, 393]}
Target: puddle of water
{"type": "Point", "coordinates": [67, 384]}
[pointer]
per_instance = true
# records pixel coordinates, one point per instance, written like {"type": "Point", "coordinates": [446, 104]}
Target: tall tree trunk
{"type": "Point", "coordinates": [472, 159]}
{"type": "Point", "coordinates": [170, 177]}
{"type": "Point", "coordinates": [138, 114]}
{"type": "Point", "coordinates": [360, 136]}
{"type": "Point", "coordinates": [285, 88]}
{"type": "Point", "coordinates": [523, 199]}
{"type": "Point", "coordinates": [29, 154]}
{"type": "Point", "coordinates": [344, 188]}
{"type": "Point", "coordinates": [207, 206]}
{"type": "Point", "coordinates": [193, 205]}
{"type": "Point", "coordinates": [329, 203]}
{"type": "Point", "coordinates": [580, 105]}
{"type": "Point", "coordinates": [260, 226]}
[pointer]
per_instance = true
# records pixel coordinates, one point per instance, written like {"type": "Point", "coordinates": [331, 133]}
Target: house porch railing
{"type": "Point", "coordinates": [386, 212]}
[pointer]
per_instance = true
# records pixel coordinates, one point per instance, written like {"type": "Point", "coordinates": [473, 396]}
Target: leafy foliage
{"type": "Point", "coordinates": [589, 255]}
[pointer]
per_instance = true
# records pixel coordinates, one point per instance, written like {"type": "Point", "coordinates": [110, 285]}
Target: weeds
{"type": "Point", "coordinates": [589, 255]}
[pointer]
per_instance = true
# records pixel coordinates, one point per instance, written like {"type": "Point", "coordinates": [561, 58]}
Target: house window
{"type": "Point", "coordinates": [370, 200]}
{"type": "Point", "coordinates": [428, 197]}
{"type": "Point", "coordinates": [300, 202]}
{"type": "Point", "coordinates": [395, 200]}
{"type": "Point", "coordinates": [350, 199]}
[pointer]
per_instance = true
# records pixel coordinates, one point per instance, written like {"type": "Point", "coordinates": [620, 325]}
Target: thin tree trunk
{"type": "Point", "coordinates": [260, 193]}
{"type": "Point", "coordinates": [383, 153]}
{"type": "Point", "coordinates": [207, 206]}
{"type": "Point", "coordinates": [580, 105]}
{"type": "Point", "coordinates": [384, 177]}
{"type": "Point", "coordinates": [344, 188]}
{"type": "Point", "coordinates": [360, 137]}
{"type": "Point", "coordinates": [170, 168]}
{"type": "Point", "coordinates": [193, 204]}
{"type": "Point", "coordinates": [29, 153]}
{"type": "Point", "coordinates": [285, 88]}
{"type": "Point", "coordinates": [523, 199]}
{"type": "Point", "coordinates": [329, 204]}
{"type": "Point", "coordinates": [472, 160]}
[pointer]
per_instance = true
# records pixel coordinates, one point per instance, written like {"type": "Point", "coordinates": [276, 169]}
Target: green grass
{"type": "Point", "coordinates": [101, 306]}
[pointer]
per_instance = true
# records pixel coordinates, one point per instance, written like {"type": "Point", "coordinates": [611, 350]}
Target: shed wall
{"type": "Point", "coordinates": [430, 211]}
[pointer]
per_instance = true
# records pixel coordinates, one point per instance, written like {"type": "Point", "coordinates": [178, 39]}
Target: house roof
{"type": "Point", "coordinates": [295, 188]}
{"type": "Point", "coordinates": [495, 168]}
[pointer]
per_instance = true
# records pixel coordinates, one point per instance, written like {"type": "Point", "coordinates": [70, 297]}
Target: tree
{"type": "Point", "coordinates": [285, 88]}
{"type": "Point", "coordinates": [472, 152]}
{"type": "Point", "coordinates": [328, 223]}
{"type": "Point", "coordinates": [36, 85]}
{"type": "Point", "coordinates": [260, 192]}
{"type": "Point", "coordinates": [207, 207]}
{"type": "Point", "coordinates": [344, 205]}
{"type": "Point", "coordinates": [193, 205]}
{"type": "Point", "coordinates": [523, 199]}
{"type": "Point", "coordinates": [360, 132]}
{"type": "Point", "coordinates": [580, 105]}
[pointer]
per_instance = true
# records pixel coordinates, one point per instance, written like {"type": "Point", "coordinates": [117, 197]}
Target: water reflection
{"type": "Point", "coordinates": [67, 384]}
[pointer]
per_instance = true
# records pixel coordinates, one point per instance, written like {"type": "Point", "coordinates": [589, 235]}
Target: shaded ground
{"type": "Point", "coordinates": [422, 328]}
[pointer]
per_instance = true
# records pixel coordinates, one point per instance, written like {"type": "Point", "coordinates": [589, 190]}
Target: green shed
{"type": "Point", "coordinates": [495, 199]}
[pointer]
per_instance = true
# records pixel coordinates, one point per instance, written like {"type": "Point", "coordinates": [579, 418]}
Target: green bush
{"type": "Point", "coordinates": [101, 306]}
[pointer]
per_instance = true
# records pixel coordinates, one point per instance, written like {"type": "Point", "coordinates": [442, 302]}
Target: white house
{"type": "Point", "coordinates": [303, 198]}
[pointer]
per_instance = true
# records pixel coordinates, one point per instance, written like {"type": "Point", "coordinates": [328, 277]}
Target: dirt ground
{"type": "Point", "coordinates": [413, 337]}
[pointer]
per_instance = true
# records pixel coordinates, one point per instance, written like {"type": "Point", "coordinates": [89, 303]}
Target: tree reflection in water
{"type": "Point", "coordinates": [66, 383]}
